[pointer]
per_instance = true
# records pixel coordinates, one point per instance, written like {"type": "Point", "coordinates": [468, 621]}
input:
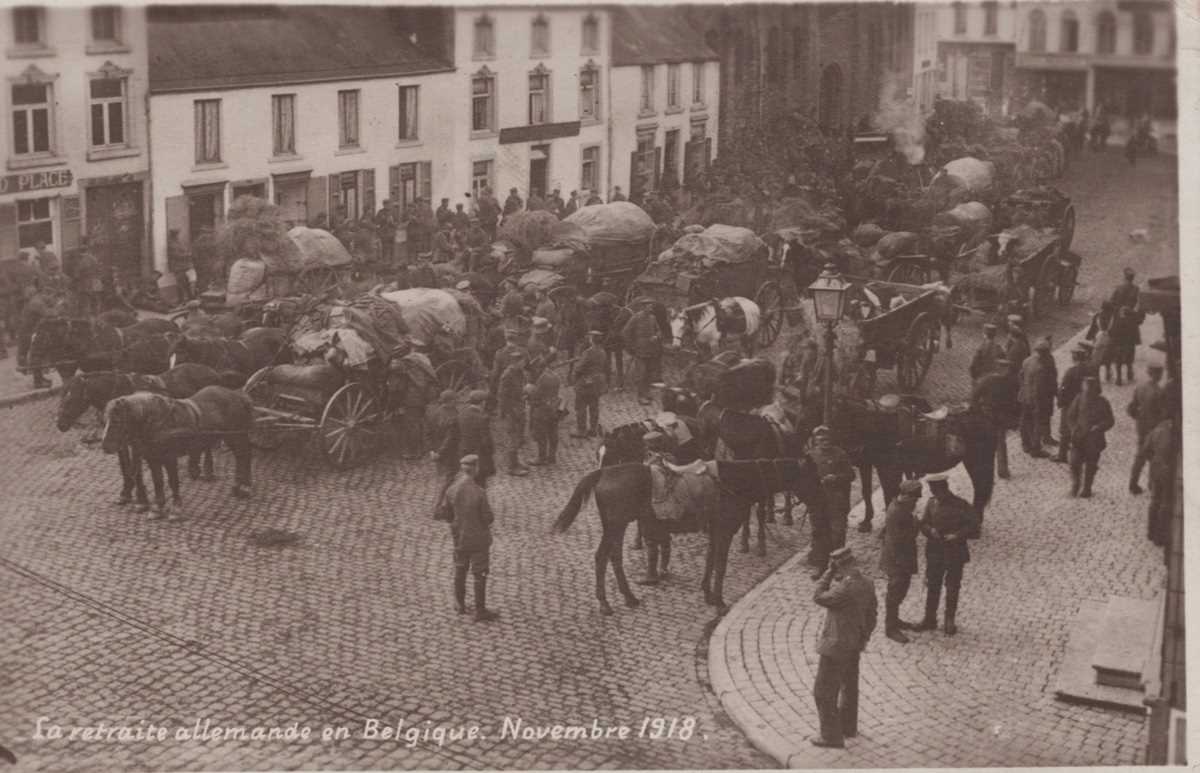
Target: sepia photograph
{"type": "Point", "coordinates": [631, 386]}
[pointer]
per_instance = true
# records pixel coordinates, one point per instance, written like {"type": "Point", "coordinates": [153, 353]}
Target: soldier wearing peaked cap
{"type": "Point", "coordinates": [474, 436]}
{"type": "Point", "coordinates": [947, 523]}
{"type": "Point", "coordinates": [829, 517]}
{"type": "Point", "coordinates": [1070, 386]}
{"type": "Point", "coordinates": [1088, 419]}
{"type": "Point", "coordinates": [1016, 348]}
{"type": "Point", "coordinates": [589, 381]}
{"type": "Point", "coordinates": [986, 355]}
{"type": "Point", "coordinates": [471, 530]}
{"type": "Point", "coordinates": [542, 394]}
{"type": "Point", "coordinates": [898, 558]}
{"type": "Point", "coordinates": [1147, 408]}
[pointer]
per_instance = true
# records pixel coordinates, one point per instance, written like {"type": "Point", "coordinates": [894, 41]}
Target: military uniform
{"type": "Point", "coordinates": [543, 415]}
{"type": "Point", "coordinates": [829, 520]}
{"type": "Point", "coordinates": [471, 530]}
{"type": "Point", "coordinates": [512, 304]}
{"type": "Point", "coordinates": [1159, 449]}
{"type": "Point", "coordinates": [1088, 419]}
{"type": "Point", "coordinates": [898, 558]}
{"type": "Point", "coordinates": [985, 358]}
{"type": "Point", "coordinates": [504, 357]}
{"type": "Point", "coordinates": [511, 399]}
{"type": "Point", "coordinates": [474, 436]}
{"type": "Point", "coordinates": [644, 340]}
{"type": "Point", "coordinates": [947, 522]}
{"type": "Point", "coordinates": [589, 385]}
{"type": "Point", "coordinates": [1037, 387]}
{"type": "Point", "coordinates": [1147, 410]}
{"type": "Point", "coordinates": [995, 395]}
{"type": "Point", "coordinates": [1068, 389]}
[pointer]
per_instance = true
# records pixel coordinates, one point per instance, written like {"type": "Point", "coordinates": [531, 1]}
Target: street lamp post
{"type": "Point", "coordinates": [828, 292]}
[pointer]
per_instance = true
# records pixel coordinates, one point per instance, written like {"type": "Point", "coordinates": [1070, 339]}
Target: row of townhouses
{"type": "Point", "coordinates": [128, 124]}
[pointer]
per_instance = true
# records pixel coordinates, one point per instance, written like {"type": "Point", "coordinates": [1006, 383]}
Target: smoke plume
{"type": "Point", "coordinates": [900, 117]}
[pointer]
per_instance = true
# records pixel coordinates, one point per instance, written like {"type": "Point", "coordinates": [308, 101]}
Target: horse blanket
{"type": "Point", "coordinates": [682, 496]}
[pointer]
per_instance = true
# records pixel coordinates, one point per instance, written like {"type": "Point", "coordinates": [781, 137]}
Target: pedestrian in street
{"type": "Point", "coordinates": [851, 612]}
{"type": "Point", "coordinates": [995, 396]}
{"type": "Point", "coordinates": [1147, 410]}
{"type": "Point", "coordinates": [898, 558]}
{"type": "Point", "coordinates": [829, 519]}
{"type": "Point", "coordinates": [412, 383]}
{"type": "Point", "coordinates": [644, 339]}
{"type": "Point", "coordinates": [1016, 348]}
{"type": "Point", "coordinates": [589, 382]}
{"type": "Point", "coordinates": [513, 204]}
{"type": "Point", "coordinates": [511, 403]}
{"type": "Point", "coordinates": [1036, 388]}
{"type": "Point", "coordinates": [1068, 389]}
{"type": "Point", "coordinates": [38, 306]}
{"type": "Point", "coordinates": [572, 205]}
{"type": "Point", "coordinates": [460, 220]}
{"type": "Point", "coordinates": [386, 227]}
{"type": "Point", "coordinates": [179, 262]}
{"type": "Point", "coordinates": [983, 361]}
{"type": "Point", "coordinates": [542, 394]}
{"type": "Point", "coordinates": [88, 286]}
{"type": "Point", "coordinates": [555, 203]}
{"type": "Point", "coordinates": [1125, 335]}
{"type": "Point", "coordinates": [1047, 392]}
{"type": "Point", "coordinates": [1159, 450]}
{"type": "Point", "coordinates": [471, 530]}
{"type": "Point", "coordinates": [475, 434]}
{"type": "Point", "coordinates": [947, 523]}
{"type": "Point", "coordinates": [1126, 293]}
{"type": "Point", "coordinates": [1089, 418]}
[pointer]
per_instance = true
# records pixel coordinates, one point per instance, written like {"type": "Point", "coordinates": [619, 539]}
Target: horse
{"type": "Point", "coordinates": [69, 345]}
{"type": "Point", "coordinates": [160, 429]}
{"type": "Point", "coordinates": [624, 494]}
{"type": "Point", "coordinates": [257, 348]}
{"type": "Point", "coordinates": [874, 440]}
{"type": "Point", "coordinates": [706, 324]}
{"type": "Point", "coordinates": [224, 325]}
{"type": "Point", "coordinates": [97, 388]}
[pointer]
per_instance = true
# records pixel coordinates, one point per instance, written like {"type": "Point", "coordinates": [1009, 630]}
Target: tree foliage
{"type": "Point", "coordinates": [254, 228]}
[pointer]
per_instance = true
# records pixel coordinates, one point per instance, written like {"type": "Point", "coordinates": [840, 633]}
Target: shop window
{"type": "Point", "coordinates": [32, 119]}
{"type": "Point", "coordinates": [483, 102]}
{"type": "Point", "coordinates": [283, 120]}
{"type": "Point", "coordinates": [208, 131]}
{"type": "Point", "coordinates": [106, 24]}
{"type": "Point", "coordinates": [409, 115]}
{"type": "Point", "coordinates": [1106, 33]}
{"type": "Point", "coordinates": [589, 93]}
{"type": "Point", "coordinates": [348, 118]}
{"type": "Point", "coordinates": [108, 99]}
{"type": "Point", "coordinates": [591, 35]}
{"type": "Point", "coordinates": [485, 37]}
{"type": "Point", "coordinates": [539, 97]}
{"type": "Point", "coordinates": [34, 223]}
{"type": "Point", "coordinates": [540, 40]}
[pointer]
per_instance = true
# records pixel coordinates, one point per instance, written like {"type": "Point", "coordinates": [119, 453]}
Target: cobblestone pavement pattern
{"type": "Point", "coordinates": [986, 696]}
{"type": "Point", "coordinates": [110, 618]}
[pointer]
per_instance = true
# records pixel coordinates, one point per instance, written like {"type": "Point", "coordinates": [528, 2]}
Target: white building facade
{"type": "Point", "coordinates": [666, 96]}
{"type": "Point", "coordinates": [534, 109]}
{"type": "Point", "coordinates": [74, 149]}
{"type": "Point", "coordinates": [975, 49]}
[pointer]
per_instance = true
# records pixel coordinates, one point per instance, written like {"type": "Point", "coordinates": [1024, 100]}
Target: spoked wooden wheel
{"type": "Point", "coordinates": [1046, 288]}
{"type": "Point", "coordinates": [1067, 229]}
{"type": "Point", "coordinates": [457, 376]}
{"type": "Point", "coordinates": [770, 304]}
{"type": "Point", "coordinates": [350, 430]}
{"type": "Point", "coordinates": [917, 353]}
{"type": "Point", "coordinates": [261, 394]}
{"type": "Point", "coordinates": [908, 273]}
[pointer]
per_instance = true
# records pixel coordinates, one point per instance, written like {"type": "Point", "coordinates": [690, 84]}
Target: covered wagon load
{"type": "Point", "coordinates": [978, 176]}
{"type": "Point", "coordinates": [745, 386]}
{"type": "Point", "coordinates": [894, 244]}
{"type": "Point", "coordinates": [429, 314]}
{"type": "Point", "coordinates": [618, 223]}
{"type": "Point", "coordinates": [540, 279]}
{"type": "Point", "coordinates": [960, 230]}
{"type": "Point", "coordinates": [699, 263]}
{"type": "Point", "coordinates": [364, 328]}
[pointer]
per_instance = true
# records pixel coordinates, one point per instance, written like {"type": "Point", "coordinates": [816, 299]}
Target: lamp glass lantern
{"type": "Point", "coordinates": [828, 292]}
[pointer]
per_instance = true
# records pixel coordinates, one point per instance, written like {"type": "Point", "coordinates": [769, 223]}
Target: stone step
{"type": "Point", "coordinates": [1126, 636]}
{"type": "Point", "coordinates": [1076, 680]}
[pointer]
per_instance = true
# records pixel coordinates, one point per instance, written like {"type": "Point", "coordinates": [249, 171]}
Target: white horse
{"type": "Point", "coordinates": [699, 323]}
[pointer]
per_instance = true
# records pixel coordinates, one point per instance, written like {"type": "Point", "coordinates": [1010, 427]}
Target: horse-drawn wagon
{"type": "Point", "coordinates": [359, 355]}
{"type": "Point", "coordinates": [702, 273]}
{"type": "Point", "coordinates": [901, 331]}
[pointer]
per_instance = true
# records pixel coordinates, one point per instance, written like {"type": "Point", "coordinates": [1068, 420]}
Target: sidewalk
{"type": "Point", "coordinates": [984, 697]}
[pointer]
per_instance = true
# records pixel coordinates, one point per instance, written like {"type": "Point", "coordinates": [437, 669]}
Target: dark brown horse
{"type": "Point", "coordinates": [257, 348]}
{"type": "Point", "coordinates": [224, 325]}
{"type": "Point", "coordinates": [68, 345]}
{"type": "Point", "coordinates": [160, 429]}
{"type": "Point", "coordinates": [624, 495]}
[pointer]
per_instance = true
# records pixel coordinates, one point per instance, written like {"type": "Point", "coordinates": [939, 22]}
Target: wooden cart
{"type": "Point", "coordinates": [903, 338]}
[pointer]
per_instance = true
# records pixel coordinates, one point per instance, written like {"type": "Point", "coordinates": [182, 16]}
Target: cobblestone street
{"type": "Point", "coordinates": [112, 618]}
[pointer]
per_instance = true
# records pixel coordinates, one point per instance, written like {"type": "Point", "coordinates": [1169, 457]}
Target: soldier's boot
{"type": "Point", "coordinates": [552, 447]}
{"type": "Point", "coordinates": [1089, 475]}
{"type": "Point", "coordinates": [541, 457]}
{"type": "Point", "coordinates": [1075, 471]}
{"type": "Point", "coordinates": [460, 590]}
{"type": "Point", "coordinates": [951, 610]}
{"type": "Point", "coordinates": [932, 598]}
{"type": "Point", "coordinates": [482, 613]}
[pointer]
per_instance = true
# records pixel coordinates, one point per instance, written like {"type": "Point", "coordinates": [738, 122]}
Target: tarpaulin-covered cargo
{"type": "Point", "coordinates": [247, 282]}
{"type": "Point", "coordinates": [867, 235]}
{"type": "Point", "coordinates": [541, 279]}
{"type": "Point", "coordinates": [318, 248]}
{"type": "Point", "coordinates": [429, 314]}
{"type": "Point", "coordinates": [747, 385]}
{"type": "Point", "coordinates": [718, 244]}
{"type": "Point", "coordinates": [1022, 241]}
{"type": "Point", "coordinates": [620, 222]}
{"type": "Point", "coordinates": [967, 224]}
{"type": "Point", "coordinates": [895, 244]}
{"type": "Point", "coordinates": [977, 175]}
{"type": "Point", "coordinates": [377, 327]}
{"type": "Point", "coordinates": [529, 231]}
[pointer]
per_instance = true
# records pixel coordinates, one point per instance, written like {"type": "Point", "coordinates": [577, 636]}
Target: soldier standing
{"type": "Point", "coordinates": [1146, 409]}
{"type": "Point", "coordinates": [1068, 389]}
{"type": "Point", "coordinates": [1016, 349]}
{"type": "Point", "coordinates": [1126, 294]}
{"type": "Point", "coordinates": [829, 522]}
{"type": "Point", "coordinates": [37, 307]}
{"type": "Point", "coordinates": [995, 395]}
{"type": "Point", "coordinates": [644, 339]}
{"type": "Point", "coordinates": [1159, 450]}
{"type": "Point", "coordinates": [898, 559]}
{"type": "Point", "coordinates": [589, 382]}
{"type": "Point", "coordinates": [851, 612]}
{"type": "Point", "coordinates": [1047, 392]}
{"type": "Point", "coordinates": [511, 400]}
{"type": "Point", "coordinates": [985, 357]}
{"type": "Point", "coordinates": [1036, 387]}
{"type": "Point", "coordinates": [443, 427]}
{"type": "Point", "coordinates": [474, 435]}
{"type": "Point", "coordinates": [386, 227]}
{"type": "Point", "coordinates": [471, 530]}
{"type": "Point", "coordinates": [1088, 418]}
{"type": "Point", "coordinates": [947, 523]}
{"type": "Point", "coordinates": [412, 383]}
{"type": "Point", "coordinates": [543, 396]}
{"type": "Point", "coordinates": [505, 357]}
{"type": "Point", "coordinates": [541, 341]}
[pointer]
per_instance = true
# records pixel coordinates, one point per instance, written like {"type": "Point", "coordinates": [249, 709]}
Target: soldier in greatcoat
{"type": "Point", "coordinates": [542, 394]}
{"type": "Point", "coordinates": [995, 396]}
{"type": "Point", "coordinates": [829, 519]}
{"type": "Point", "coordinates": [471, 530]}
{"type": "Point", "coordinates": [1038, 385]}
{"type": "Point", "coordinates": [511, 402]}
{"type": "Point", "coordinates": [474, 435]}
{"type": "Point", "coordinates": [442, 423]}
{"type": "Point", "coordinates": [589, 381]}
{"type": "Point", "coordinates": [1016, 348]}
{"type": "Point", "coordinates": [947, 524]}
{"type": "Point", "coordinates": [898, 558]}
{"type": "Point", "coordinates": [1068, 389]}
{"type": "Point", "coordinates": [986, 355]}
{"type": "Point", "coordinates": [1147, 409]}
{"type": "Point", "coordinates": [1159, 450]}
{"type": "Point", "coordinates": [644, 340]}
{"type": "Point", "coordinates": [513, 347]}
{"type": "Point", "coordinates": [1089, 418]}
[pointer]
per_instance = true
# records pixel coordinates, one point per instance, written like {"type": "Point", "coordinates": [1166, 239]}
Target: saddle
{"type": "Point", "coordinates": [916, 425]}
{"type": "Point", "coordinates": [683, 495]}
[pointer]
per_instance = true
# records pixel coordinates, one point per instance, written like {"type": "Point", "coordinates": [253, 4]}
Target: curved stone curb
{"type": "Point", "coordinates": [8, 401]}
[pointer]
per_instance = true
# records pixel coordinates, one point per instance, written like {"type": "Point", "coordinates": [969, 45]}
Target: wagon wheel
{"type": "Point", "coordinates": [1046, 288]}
{"type": "Point", "coordinates": [770, 304]}
{"type": "Point", "coordinates": [349, 431]}
{"type": "Point", "coordinates": [259, 392]}
{"type": "Point", "coordinates": [457, 376]}
{"type": "Point", "coordinates": [916, 352]}
{"type": "Point", "coordinates": [1068, 277]}
{"type": "Point", "coordinates": [908, 273]}
{"type": "Point", "coordinates": [319, 280]}
{"type": "Point", "coordinates": [1067, 229]}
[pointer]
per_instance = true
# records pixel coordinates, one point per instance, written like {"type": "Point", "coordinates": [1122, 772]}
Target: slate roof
{"type": "Point", "coordinates": [653, 35]}
{"type": "Point", "coordinates": [196, 48]}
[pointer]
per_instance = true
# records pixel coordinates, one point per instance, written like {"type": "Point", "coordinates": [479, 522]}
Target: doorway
{"type": "Point", "coordinates": [202, 212]}
{"type": "Point", "coordinates": [539, 170]}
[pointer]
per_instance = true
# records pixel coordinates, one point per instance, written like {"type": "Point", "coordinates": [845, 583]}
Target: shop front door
{"type": "Point", "coordinates": [115, 225]}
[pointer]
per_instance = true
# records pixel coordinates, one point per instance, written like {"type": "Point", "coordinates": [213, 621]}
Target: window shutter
{"type": "Point", "coordinates": [318, 202]}
{"type": "Point", "coordinates": [8, 231]}
{"type": "Point", "coordinates": [394, 189]}
{"type": "Point", "coordinates": [367, 181]}
{"type": "Point", "coordinates": [425, 180]}
{"type": "Point", "coordinates": [334, 194]}
{"type": "Point", "coordinates": [70, 223]}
